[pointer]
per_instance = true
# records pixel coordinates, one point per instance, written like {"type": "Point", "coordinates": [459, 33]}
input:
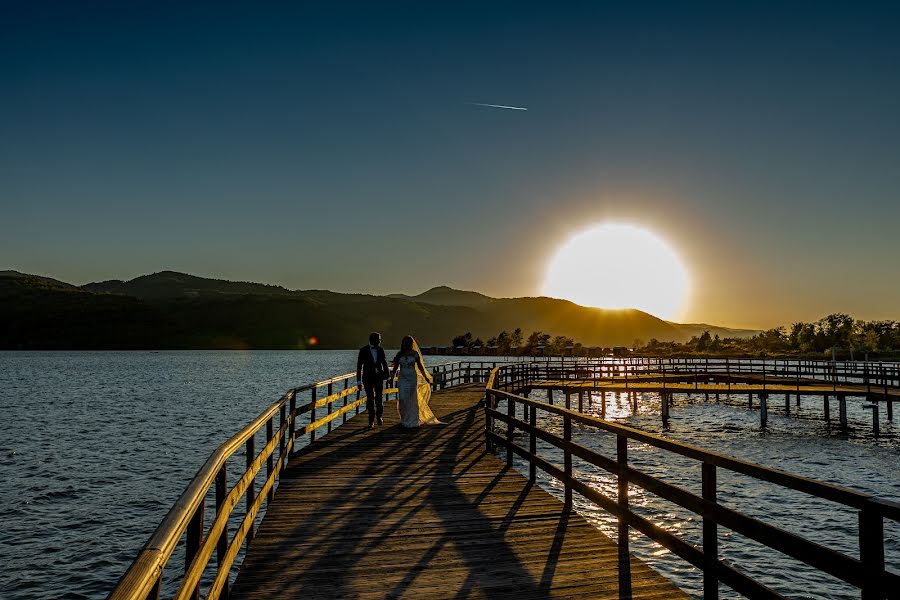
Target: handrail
{"type": "Point", "coordinates": [867, 573]}
{"type": "Point", "coordinates": [143, 578]}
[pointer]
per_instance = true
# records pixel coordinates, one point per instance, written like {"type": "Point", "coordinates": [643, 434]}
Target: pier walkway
{"type": "Point", "coordinates": [440, 512]}
{"type": "Point", "coordinates": [428, 513]}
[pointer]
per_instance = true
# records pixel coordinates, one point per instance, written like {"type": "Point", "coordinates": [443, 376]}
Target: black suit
{"type": "Point", "coordinates": [372, 373]}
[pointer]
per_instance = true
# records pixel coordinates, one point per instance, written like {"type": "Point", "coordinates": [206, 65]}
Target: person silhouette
{"type": "Point", "coordinates": [371, 371]}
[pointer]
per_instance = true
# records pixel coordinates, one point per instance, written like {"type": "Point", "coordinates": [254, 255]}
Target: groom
{"type": "Point", "coordinates": [372, 370]}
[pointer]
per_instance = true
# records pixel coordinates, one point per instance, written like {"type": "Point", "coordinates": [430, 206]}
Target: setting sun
{"type": "Point", "coordinates": [619, 266]}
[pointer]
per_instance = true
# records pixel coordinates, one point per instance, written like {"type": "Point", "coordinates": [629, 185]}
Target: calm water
{"type": "Point", "coordinates": [96, 446]}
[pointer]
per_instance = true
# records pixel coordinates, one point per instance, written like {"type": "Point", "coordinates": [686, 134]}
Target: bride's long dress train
{"type": "Point", "coordinates": [413, 395]}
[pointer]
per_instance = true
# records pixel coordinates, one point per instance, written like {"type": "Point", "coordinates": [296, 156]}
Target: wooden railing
{"type": "Point", "coordinates": [866, 572]}
{"type": "Point", "coordinates": [327, 403]}
{"type": "Point", "coordinates": [872, 374]}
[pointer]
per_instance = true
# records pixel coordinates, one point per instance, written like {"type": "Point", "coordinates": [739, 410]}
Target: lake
{"type": "Point", "coordinates": [96, 446]}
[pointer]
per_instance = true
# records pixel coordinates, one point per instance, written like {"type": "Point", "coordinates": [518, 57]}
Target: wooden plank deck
{"type": "Point", "coordinates": [428, 513]}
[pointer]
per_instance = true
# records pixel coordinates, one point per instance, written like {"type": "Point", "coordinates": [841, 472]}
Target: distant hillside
{"type": "Point", "coordinates": [36, 280]}
{"type": "Point", "coordinates": [446, 296]}
{"type": "Point", "coordinates": [175, 310]}
{"type": "Point", "coordinates": [169, 284]}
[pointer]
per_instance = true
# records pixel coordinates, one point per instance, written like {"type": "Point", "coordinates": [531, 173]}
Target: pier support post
{"type": "Point", "coordinates": [787, 404]}
{"type": "Point", "coordinates": [750, 401]}
{"type": "Point", "coordinates": [550, 396]}
{"type": "Point", "coordinates": [826, 407]}
{"type": "Point", "coordinates": [875, 416]}
{"type": "Point", "coordinates": [664, 407]}
{"type": "Point", "coordinates": [890, 409]}
{"type": "Point", "coordinates": [580, 401]}
{"type": "Point", "coordinates": [842, 411]}
{"type": "Point", "coordinates": [763, 410]}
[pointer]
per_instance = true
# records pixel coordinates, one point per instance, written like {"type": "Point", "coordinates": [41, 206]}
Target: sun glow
{"type": "Point", "coordinates": [619, 266]}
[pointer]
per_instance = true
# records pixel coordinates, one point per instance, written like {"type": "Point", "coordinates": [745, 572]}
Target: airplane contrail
{"type": "Point", "coordinates": [497, 106]}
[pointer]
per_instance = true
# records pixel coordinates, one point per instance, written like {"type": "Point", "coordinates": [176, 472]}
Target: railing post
{"type": "Point", "coordinates": [293, 416]}
{"type": "Point", "coordinates": [222, 542]}
{"type": "Point", "coordinates": [270, 461]}
{"type": "Point", "coordinates": [622, 459]}
{"type": "Point", "coordinates": [312, 415]}
{"type": "Point", "coordinates": [567, 436]}
{"type": "Point", "coordinates": [346, 387]}
{"type": "Point", "coordinates": [251, 487]}
{"type": "Point", "coordinates": [328, 408]}
{"type": "Point", "coordinates": [710, 535]}
{"type": "Point", "coordinates": [871, 550]}
{"type": "Point", "coordinates": [283, 441]}
{"type": "Point", "coordinates": [488, 421]}
{"type": "Point", "coordinates": [510, 412]}
{"type": "Point", "coordinates": [192, 545]}
{"type": "Point", "coordinates": [532, 444]}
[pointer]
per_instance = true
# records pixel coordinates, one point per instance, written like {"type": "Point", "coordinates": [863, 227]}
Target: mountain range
{"type": "Point", "coordinates": [177, 310]}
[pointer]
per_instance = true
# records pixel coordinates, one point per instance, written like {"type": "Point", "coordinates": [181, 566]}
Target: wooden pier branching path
{"type": "Point", "coordinates": [428, 513]}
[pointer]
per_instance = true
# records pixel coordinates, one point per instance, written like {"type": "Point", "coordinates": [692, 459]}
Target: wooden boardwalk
{"type": "Point", "coordinates": [428, 513]}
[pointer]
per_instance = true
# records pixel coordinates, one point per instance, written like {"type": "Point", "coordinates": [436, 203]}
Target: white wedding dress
{"type": "Point", "coordinates": [413, 394]}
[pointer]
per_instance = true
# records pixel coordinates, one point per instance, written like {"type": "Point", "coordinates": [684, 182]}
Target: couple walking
{"type": "Point", "coordinates": [413, 385]}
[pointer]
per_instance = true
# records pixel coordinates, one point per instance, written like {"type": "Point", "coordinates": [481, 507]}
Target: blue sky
{"type": "Point", "coordinates": [331, 145]}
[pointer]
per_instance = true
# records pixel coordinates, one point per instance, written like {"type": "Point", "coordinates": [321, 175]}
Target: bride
{"type": "Point", "coordinates": [413, 386]}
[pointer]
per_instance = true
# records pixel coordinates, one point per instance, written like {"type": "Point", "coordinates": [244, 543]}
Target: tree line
{"type": "Point", "coordinates": [837, 333]}
{"type": "Point", "coordinates": [515, 342]}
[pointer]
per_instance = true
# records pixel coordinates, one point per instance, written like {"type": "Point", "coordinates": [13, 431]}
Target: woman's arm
{"type": "Point", "coordinates": [422, 367]}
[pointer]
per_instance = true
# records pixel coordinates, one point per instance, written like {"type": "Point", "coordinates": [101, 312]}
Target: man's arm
{"type": "Point", "coordinates": [384, 362]}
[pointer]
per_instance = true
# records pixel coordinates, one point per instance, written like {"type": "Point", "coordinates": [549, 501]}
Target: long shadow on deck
{"type": "Point", "coordinates": [398, 513]}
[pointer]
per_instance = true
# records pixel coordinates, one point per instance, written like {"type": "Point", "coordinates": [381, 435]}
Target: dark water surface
{"type": "Point", "coordinates": [96, 446]}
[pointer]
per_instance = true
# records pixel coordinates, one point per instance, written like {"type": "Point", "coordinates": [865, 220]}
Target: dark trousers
{"type": "Point", "coordinates": [374, 404]}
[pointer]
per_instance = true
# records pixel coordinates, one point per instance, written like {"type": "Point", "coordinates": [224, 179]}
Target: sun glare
{"type": "Point", "coordinates": [619, 266]}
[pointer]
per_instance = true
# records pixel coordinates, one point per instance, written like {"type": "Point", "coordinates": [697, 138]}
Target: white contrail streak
{"type": "Point", "coordinates": [496, 106]}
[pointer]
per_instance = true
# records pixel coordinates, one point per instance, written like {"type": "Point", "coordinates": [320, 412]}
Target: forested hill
{"type": "Point", "coordinates": [177, 310]}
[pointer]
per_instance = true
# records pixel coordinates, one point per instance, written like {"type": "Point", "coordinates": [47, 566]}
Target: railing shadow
{"type": "Point", "coordinates": [390, 492]}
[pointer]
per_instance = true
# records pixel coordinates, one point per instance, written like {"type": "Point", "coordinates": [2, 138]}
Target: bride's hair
{"type": "Point", "coordinates": [406, 344]}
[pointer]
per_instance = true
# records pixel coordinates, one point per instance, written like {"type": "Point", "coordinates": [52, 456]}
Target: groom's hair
{"type": "Point", "coordinates": [374, 338]}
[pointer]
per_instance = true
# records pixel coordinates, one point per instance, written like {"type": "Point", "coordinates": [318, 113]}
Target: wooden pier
{"type": "Point", "coordinates": [428, 513]}
{"type": "Point", "coordinates": [434, 513]}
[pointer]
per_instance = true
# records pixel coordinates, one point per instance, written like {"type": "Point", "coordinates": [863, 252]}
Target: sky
{"type": "Point", "coordinates": [338, 145]}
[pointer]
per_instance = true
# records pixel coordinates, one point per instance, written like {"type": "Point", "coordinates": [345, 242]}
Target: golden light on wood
{"type": "Point", "coordinates": [619, 266]}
